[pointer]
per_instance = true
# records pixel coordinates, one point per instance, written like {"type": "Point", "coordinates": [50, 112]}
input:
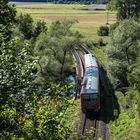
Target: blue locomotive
{"type": "Point", "coordinates": [90, 93]}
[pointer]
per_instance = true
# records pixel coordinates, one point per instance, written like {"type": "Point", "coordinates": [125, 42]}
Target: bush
{"type": "Point", "coordinates": [7, 17]}
{"type": "Point", "coordinates": [103, 31]}
{"type": "Point", "coordinates": [101, 42]}
{"type": "Point", "coordinates": [40, 27]}
{"type": "Point", "coordinates": [16, 69]}
{"type": "Point", "coordinates": [113, 27]}
{"type": "Point", "coordinates": [26, 25]}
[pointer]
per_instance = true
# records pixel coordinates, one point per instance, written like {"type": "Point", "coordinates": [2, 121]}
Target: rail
{"type": "Point", "coordinates": [101, 129]}
{"type": "Point", "coordinates": [80, 70]}
{"type": "Point", "coordinates": [88, 123]}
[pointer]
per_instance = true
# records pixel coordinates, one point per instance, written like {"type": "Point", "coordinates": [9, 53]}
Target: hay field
{"type": "Point", "coordinates": [88, 21]}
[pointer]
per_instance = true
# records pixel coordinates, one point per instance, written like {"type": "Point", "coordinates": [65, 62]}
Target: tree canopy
{"type": "Point", "coordinates": [126, 8]}
{"type": "Point", "coordinates": [123, 51]}
{"type": "Point", "coordinates": [54, 49]}
{"type": "Point", "coordinates": [26, 111]}
{"type": "Point", "coordinates": [7, 16]}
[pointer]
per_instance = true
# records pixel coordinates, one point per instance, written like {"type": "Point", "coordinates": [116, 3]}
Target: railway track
{"type": "Point", "coordinates": [89, 125]}
{"type": "Point", "coordinates": [88, 121]}
{"type": "Point", "coordinates": [79, 66]}
{"type": "Point", "coordinates": [92, 125]}
{"type": "Point", "coordinates": [79, 72]}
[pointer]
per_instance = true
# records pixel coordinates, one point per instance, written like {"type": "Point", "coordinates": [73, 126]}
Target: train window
{"type": "Point", "coordinates": [93, 96]}
{"type": "Point", "coordinates": [89, 98]}
{"type": "Point", "coordinates": [86, 96]}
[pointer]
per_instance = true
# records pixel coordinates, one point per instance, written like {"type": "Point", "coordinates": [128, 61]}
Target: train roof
{"type": "Point", "coordinates": [90, 81]}
{"type": "Point", "coordinates": [90, 61]}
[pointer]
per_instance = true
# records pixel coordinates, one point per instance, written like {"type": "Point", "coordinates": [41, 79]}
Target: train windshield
{"type": "Point", "coordinates": [92, 97]}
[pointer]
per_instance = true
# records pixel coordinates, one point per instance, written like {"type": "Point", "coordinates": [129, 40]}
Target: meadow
{"type": "Point", "coordinates": [88, 20]}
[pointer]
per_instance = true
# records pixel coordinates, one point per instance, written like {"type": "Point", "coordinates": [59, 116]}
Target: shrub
{"type": "Point", "coordinates": [40, 27]}
{"type": "Point", "coordinates": [26, 25]}
{"type": "Point", "coordinates": [101, 42]}
{"type": "Point", "coordinates": [103, 31]}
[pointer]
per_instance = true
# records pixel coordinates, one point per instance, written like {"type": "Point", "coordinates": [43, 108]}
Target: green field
{"type": "Point", "coordinates": [88, 20]}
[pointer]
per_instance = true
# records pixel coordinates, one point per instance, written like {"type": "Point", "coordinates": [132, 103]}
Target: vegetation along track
{"type": "Point", "coordinates": [79, 71]}
{"type": "Point", "coordinates": [92, 125]}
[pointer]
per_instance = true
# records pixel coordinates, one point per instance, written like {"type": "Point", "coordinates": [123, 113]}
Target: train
{"type": "Point", "coordinates": [90, 91]}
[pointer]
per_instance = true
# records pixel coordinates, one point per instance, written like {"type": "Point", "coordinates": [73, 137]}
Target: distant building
{"type": "Point", "coordinates": [95, 7]}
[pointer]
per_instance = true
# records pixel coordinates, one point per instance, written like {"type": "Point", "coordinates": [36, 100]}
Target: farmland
{"type": "Point", "coordinates": [88, 20]}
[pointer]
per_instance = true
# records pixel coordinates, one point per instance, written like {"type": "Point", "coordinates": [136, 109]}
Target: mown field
{"type": "Point", "coordinates": [88, 20]}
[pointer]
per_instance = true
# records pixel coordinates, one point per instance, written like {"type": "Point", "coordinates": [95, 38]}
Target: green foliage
{"type": "Point", "coordinates": [40, 27]}
{"type": "Point", "coordinates": [126, 8]}
{"type": "Point", "coordinates": [123, 56]}
{"type": "Point", "coordinates": [27, 112]}
{"type": "Point", "coordinates": [35, 117]}
{"type": "Point", "coordinates": [89, 134]}
{"type": "Point", "coordinates": [123, 128]}
{"type": "Point", "coordinates": [112, 5]}
{"type": "Point", "coordinates": [101, 43]}
{"type": "Point", "coordinates": [25, 23]}
{"type": "Point", "coordinates": [62, 28]}
{"type": "Point", "coordinates": [127, 126]}
{"type": "Point", "coordinates": [28, 31]}
{"type": "Point", "coordinates": [7, 17]}
{"type": "Point", "coordinates": [100, 53]}
{"type": "Point", "coordinates": [16, 69]}
{"type": "Point", "coordinates": [54, 50]}
{"type": "Point", "coordinates": [123, 51]}
{"type": "Point", "coordinates": [103, 31]}
{"type": "Point", "coordinates": [113, 27]}
{"type": "Point", "coordinates": [134, 75]}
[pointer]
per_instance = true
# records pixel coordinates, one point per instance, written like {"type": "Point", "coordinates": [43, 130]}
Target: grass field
{"type": "Point", "coordinates": [88, 21]}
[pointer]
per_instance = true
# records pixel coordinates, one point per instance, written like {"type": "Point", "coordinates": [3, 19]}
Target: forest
{"type": "Point", "coordinates": [36, 97]}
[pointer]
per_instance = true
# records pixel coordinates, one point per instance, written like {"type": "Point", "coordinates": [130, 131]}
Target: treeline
{"type": "Point", "coordinates": [67, 1]}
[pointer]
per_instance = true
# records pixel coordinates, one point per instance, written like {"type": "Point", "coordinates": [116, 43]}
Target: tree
{"type": "Point", "coordinates": [126, 8]}
{"type": "Point", "coordinates": [40, 27]}
{"type": "Point", "coordinates": [29, 30]}
{"type": "Point", "coordinates": [34, 116]}
{"type": "Point", "coordinates": [54, 49]}
{"type": "Point", "coordinates": [123, 51]}
{"type": "Point", "coordinates": [25, 23]}
{"type": "Point", "coordinates": [26, 111]}
{"type": "Point", "coordinates": [7, 16]}
{"type": "Point", "coordinates": [134, 75]}
{"type": "Point", "coordinates": [16, 69]}
{"type": "Point", "coordinates": [103, 31]}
